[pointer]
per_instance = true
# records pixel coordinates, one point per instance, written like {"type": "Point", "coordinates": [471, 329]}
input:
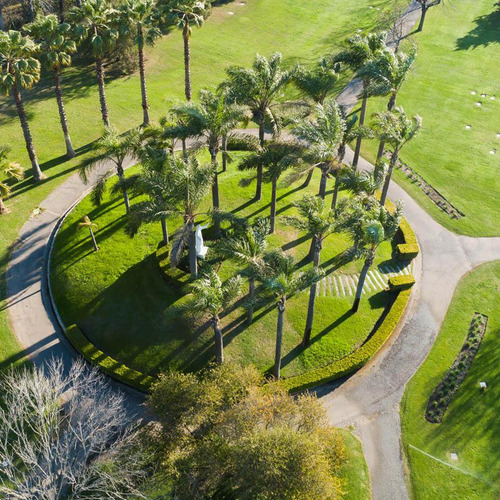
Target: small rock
{"type": "Point", "coordinates": [473, 92]}
{"type": "Point", "coordinates": [478, 104]}
{"type": "Point", "coordinates": [467, 127]}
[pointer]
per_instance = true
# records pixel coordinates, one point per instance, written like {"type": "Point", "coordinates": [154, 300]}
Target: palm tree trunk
{"type": "Point", "coordinates": [142, 73]}
{"type": "Point", "coordinates": [2, 22]}
{"type": "Point", "coordinates": [60, 4]}
{"type": "Point", "coordinates": [312, 297]}
{"type": "Point", "coordinates": [251, 297]}
{"type": "Point", "coordinates": [3, 208]}
{"type": "Point", "coordinates": [308, 178]}
{"type": "Point", "coordinates": [78, 3]}
{"type": "Point", "coordinates": [219, 342]}
{"type": "Point", "coordinates": [279, 339]}
{"type": "Point", "coordinates": [184, 148]}
{"type": "Point", "coordinates": [121, 176]}
{"type": "Point", "coordinates": [94, 242]}
{"type": "Point", "coordinates": [70, 152]}
{"type": "Point", "coordinates": [215, 188]}
{"type": "Point", "coordinates": [422, 19]}
{"type": "Point", "coordinates": [274, 190]}
{"type": "Point", "coordinates": [28, 139]}
{"type": "Point", "coordinates": [322, 183]}
{"type": "Point", "coordinates": [258, 189]}
{"type": "Point", "coordinates": [187, 62]}
{"type": "Point", "coordinates": [193, 260]}
{"type": "Point", "coordinates": [224, 153]}
{"type": "Point", "coordinates": [388, 175]}
{"type": "Point", "coordinates": [336, 190]}
{"type": "Point", "coordinates": [30, 10]}
{"type": "Point", "coordinates": [361, 282]}
{"type": "Point", "coordinates": [390, 106]}
{"type": "Point", "coordinates": [362, 116]}
{"type": "Point", "coordinates": [99, 70]}
{"type": "Point", "coordinates": [164, 230]}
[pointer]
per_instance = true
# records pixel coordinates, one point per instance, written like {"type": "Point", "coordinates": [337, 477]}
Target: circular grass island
{"type": "Point", "coordinates": [127, 306]}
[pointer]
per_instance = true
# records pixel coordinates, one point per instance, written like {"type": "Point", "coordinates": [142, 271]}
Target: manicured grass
{"type": "Point", "coordinates": [119, 299]}
{"type": "Point", "coordinates": [470, 427]}
{"type": "Point", "coordinates": [456, 55]}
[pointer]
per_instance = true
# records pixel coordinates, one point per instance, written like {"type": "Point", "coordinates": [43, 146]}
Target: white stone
{"type": "Point", "coordinates": [492, 98]}
{"type": "Point", "coordinates": [473, 92]}
{"type": "Point", "coordinates": [454, 456]}
{"type": "Point", "coordinates": [482, 385]}
{"type": "Point", "coordinates": [498, 135]}
{"type": "Point", "coordinates": [483, 95]}
{"type": "Point", "coordinates": [493, 151]}
{"type": "Point", "coordinates": [231, 13]}
{"type": "Point", "coordinates": [467, 127]}
{"type": "Point", "coordinates": [201, 249]}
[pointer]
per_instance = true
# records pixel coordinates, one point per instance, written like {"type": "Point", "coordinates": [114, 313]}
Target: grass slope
{"type": "Point", "coordinates": [456, 55]}
{"type": "Point", "coordinates": [470, 426]}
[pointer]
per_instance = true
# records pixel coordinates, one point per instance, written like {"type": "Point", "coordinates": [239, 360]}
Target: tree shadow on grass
{"type": "Point", "coordinates": [485, 33]}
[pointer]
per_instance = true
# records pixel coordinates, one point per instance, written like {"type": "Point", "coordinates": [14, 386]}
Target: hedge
{"type": "Point", "coordinates": [402, 282]}
{"type": "Point", "coordinates": [356, 359]}
{"type": "Point", "coordinates": [409, 249]}
{"type": "Point", "coordinates": [107, 364]}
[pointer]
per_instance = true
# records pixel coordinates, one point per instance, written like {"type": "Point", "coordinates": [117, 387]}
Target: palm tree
{"type": "Point", "coordinates": [213, 118]}
{"type": "Point", "coordinates": [248, 249]}
{"type": "Point", "coordinates": [19, 69]}
{"type": "Point", "coordinates": [56, 47]}
{"type": "Point", "coordinates": [319, 224]}
{"type": "Point", "coordinates": [95, 21]}
{"type": "Point", "coordinates": [111, 148]}
{"type": "Point", "coordinates": [8, 171]}
{"type": "Point", "coordinates": [86, 222]}
{"type": "Point", "coordinates": [273, 159]}
{"type": "Point", "coordinates": [361, 49]}
{"type": "Point", "coordinates": [377, 229]}
{"type": "Point", "coordinates": [425, 5]}
{"type": "Point", "coordinates": [396, 129]}
{"type": "Point", "coordinates": [259, 87]}
{"type": "Point", "coordinates": [389, 71]}
{"type": "Point", "coordinates": [167, 132]}
{"type": "Point", "coordinates": [186, 14]}
{"type": "Point", "coordinates": [140, 20]}
{"type": "Point", "coordinates": [283, 282]}
{"type": "Point", "coordinates": [211, 296]}
{"type": "Point", "coordinates": [319, 82]}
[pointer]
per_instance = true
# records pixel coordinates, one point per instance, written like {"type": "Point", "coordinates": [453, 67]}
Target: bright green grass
{"type": "Point", "coordinates": [299, 29]}
{"type": "Point", "coordinates": [471, 426]}
{"type": "Point", "coordinates": [119, 299]}
{"type": "Point", "coordinates": [458, 52]}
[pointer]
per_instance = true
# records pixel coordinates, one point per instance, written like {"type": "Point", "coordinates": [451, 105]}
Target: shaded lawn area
{"type": "Point", "coordinates": [120, 300]}
{"type": "Point", "coordinates": [458, 52]}
{"type": "Point", "coordinates": [470, 427]}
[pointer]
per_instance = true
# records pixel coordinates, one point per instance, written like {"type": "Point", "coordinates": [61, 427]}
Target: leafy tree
{"type": "Point", "coordinates": [224, 434]}
{"type": "Point", "coordinates": [20, 69]}
{"type": "Point", "coordinates": [260, 87]}
{"type": "Point", "coordinates": [283, 282]}
{"type": "Point", "coordinates": [319, 223]}
{"type": "Point", "coordinates": [115, 149]}
{"type": "Point", "coordinates": [211, 296]}
{"type": "Point", "coordinates": [396, 129]}
{"type": "Point", "coordinates": [95, 21]}
{"type": "Point", "coordinates": [56, 47]}
{"type": "Point", "coordinates": [425, 6]}
{"type": "Point", "coordinates": [273, 159]}
{"type": "Point", "coordinates": [86, 222]}
{"type": "Point", "coordinates": [319, 82]}
{"type": "Point", "coordinates": [140, 19]}
{"type": "Point", "coordinates": [8, 171]}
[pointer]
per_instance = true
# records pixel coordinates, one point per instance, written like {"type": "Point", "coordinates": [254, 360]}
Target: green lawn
{"type": "Point", "coordinates": [458, 52]}
{"type": "Point", "coordinates": [119, 299]}
{"type": "Point", "coordinates": [470, 427]}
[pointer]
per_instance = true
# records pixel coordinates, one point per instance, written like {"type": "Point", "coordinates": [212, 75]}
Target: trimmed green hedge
{"type": "Point", "coordinates": [402, 282]}
{"type": "Point", "coordinates": [356, 359]}
{"type": "Point", "coordinates": [409, 249]}
{"type": "Point", "coordinates": [108, 365]}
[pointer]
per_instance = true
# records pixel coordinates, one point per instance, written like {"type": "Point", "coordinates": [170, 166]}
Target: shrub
{"type": "Point", "coordinates": [402, 282]}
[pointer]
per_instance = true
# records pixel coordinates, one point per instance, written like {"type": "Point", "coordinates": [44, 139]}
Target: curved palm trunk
{"type": "Point", "coordinates": [94, 242]}
{"type": "Point", "coordinates": [422, 19]}
{"type": "Point", "coordinates": [121, 176]}
{"type": "Point", "coordinates": [279, 338]}
{"type": "Point", "coordinates": [193, 259]}
{"type": "Point", "coordinates": [336, 191]}
{"type": "Point", "coordinates": [385, 189]}
{"type": "Point", "coordinates": [99, 70]}
{"type": "Point", "coordinates": [312, 296]}
{"type": "Point", "coordinates": [224, 153]}
{"type": "Point", "coordinates": [251, 296]}
{"type": "Point", "coordinates": [142, 74]}
{"type": "Point", "coordinates": [70, 152]}
{"type": "Point", "coordinates": [164, 230]}
{"type": "Point", "coordinates": [28, 139]}
{"type": "Point", "coordinates": [219, 342]}
{"type": "Point", "coordinates": [3, 208]}
{"type": "Point", "coordinates": [362, 116]}
{"type": "Point", "coordinates": [187, 62]}
{"type": "Point", "coordinates": [308, 178]}
{"type": "Point", "coordinates": [390, 106]}
{"type": "Point", "coordinates": [274, 190]}
{"type": "Point", "coordinates": [361, 282]}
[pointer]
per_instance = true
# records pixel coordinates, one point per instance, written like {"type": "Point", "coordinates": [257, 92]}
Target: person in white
{"type": "Point", "coordinates": [201, 249]}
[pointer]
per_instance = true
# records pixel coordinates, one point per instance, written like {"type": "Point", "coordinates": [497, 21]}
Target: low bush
{"type": "Point", "coordinates": [402, 282]}
{"type": "Point", "coordinates": [409, 249]}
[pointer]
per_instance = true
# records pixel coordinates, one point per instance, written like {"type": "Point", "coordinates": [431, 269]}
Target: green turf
{"type": "Point", "coordinates": [119, 299]}
{"type": "Point", "coordinates": [470, 426]}
{"type": "Point", "coordinates": [458, 53]}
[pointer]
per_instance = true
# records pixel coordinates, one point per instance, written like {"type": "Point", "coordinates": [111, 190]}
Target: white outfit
{"type": "Point", "coordinates": [201, 249]}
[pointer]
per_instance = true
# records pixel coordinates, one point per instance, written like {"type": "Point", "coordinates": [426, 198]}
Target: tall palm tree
{"type": "Point", "coordinates": [360, 51]}
{"type": "Point", "coordinates": [211, 296]}
{"type": "Point", "coordinates": [140, 20]}
{"type": "Point", "coordinates": [56, 47]}
{"type": "Point", "coordinates": [111, 148]}
{"type": "Point", "coordinates": [376, 229]}
{"type": "Point", "coordinates": [186, 14]}
{"type": "Point", "coordinates": [20, 69]}
{"type": "Point", "coordinates": [396, 129]}
{"type": "Point", "coordinates": [95, 21]}
{"type": "Point", "coordinates": [273, 159]}
{"type": "Point", "coordinates": [283, 282]}
{"type": "Point", "coordinates": [9, 171]}
{"type": "Point", "coordinates": [167, 132]}
{"type": "Point", "coordinates": [213, 118]}
{"type": "Point", "coordinates": [260, 87]}
{"type": "Point", "coordinates": [248, 249]}
{"type": "Point", "coordinates": [319, 223]}
{"type": "Point", "coordinates": [425, 6]}
{"type": "Point", "coordinates": [388, 73]}
{"type": "Point", "coordinates": [86, 222]}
